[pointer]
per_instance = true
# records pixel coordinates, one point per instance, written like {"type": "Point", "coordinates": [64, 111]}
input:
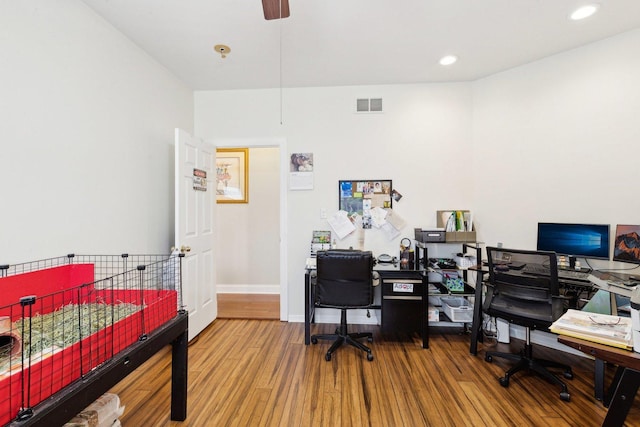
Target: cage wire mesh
{"type": "Point", "coordinates": [57, 332]}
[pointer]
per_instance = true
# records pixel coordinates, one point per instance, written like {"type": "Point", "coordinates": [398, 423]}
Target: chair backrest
{"type": "Point", "coordinates": [523, 287]}
{"type": "Point", "coordinates": [344, 278]}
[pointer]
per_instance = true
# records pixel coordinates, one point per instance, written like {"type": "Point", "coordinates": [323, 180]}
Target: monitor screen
{"type": "Point", "coordinates": [580, 240]}
{"type": "Point", "coordinates": [627, 244]}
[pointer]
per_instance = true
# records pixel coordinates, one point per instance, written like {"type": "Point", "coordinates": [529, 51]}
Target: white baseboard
{"type": "Point", "coordinates": [247, 289]}
{"type": "Point", "coordinates": [354, 317]}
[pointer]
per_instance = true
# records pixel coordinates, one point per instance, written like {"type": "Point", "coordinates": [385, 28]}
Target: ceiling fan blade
{"type": "Point", "coordinates": [273, 8]}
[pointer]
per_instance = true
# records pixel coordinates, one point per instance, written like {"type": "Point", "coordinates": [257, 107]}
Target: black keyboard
{"type": "Point", "coordinates": [538, 270]}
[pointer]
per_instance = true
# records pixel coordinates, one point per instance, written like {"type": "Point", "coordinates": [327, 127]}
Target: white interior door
{"type": "Point", "coordinates": [195, 219]}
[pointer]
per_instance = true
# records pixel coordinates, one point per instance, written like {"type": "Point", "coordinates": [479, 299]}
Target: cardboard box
{"type": "Point", "coordinates": [434, 314]}
{"type": "Point", "coordinates": [460, 236]}
{"type": "Point", "coordinates": [455, 236]}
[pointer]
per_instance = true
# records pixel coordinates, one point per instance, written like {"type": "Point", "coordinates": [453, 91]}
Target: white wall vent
{"type": "Point", "coordinates": [369, 105]}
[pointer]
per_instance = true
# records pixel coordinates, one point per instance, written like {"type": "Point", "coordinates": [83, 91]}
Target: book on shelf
{"type": "Point", "coordinates": [600, 328]}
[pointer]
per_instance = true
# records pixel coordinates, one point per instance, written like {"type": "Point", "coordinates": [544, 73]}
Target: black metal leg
{"type": "Point", "coordinates": [425, 311]}
{"type": "Point", "coordinates": [307, 308]}
{"type": "Point", "coordinates": [598, 380]}
{"type": "Point", "coordinates": [179, 369]}
{"type": "Point", "coordinates": [612, 388]}
{"type": "Point", "coordinates": [477, 320]}
{"type": "Point", "coordinates": [623, 398]}
{"type": "Point", "coordinates": [476, 326]}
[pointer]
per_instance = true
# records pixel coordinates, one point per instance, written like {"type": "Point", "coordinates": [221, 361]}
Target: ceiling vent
{"type": "Point", "coordinates": [369, 105]}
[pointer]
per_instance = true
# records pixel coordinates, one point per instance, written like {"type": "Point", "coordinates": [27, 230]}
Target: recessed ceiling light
{"type": "Point", "coordinates": [448, 60]}
{"type": "Point", "coordinates": [584, 12]}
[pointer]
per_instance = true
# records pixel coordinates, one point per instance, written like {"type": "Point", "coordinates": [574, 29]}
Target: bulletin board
{"type": "Point", "coordinates": [352, 194]}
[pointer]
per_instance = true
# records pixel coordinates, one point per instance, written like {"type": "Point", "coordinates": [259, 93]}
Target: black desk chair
{"type": "Point", "coordinates": [523, 289]}
{"type": "Point", "coordinates": [344, 281]}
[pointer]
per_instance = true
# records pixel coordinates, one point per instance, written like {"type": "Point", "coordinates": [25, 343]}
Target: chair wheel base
{"type": "Point", "coordinates": [369, 357]}
{"type": "Point", "coordinates": [504, 381]}
{"type": "Point", "coordinates": [564, 395]}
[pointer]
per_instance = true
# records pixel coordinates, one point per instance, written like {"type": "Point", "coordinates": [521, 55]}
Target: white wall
{"type": "Point", "coordinates": [422, 142]}
{"type": "Point", "coordinates": [555, 140]}
{"type": "Point", "coordinates": [88, 120]}
{"type": "Point", "coordinates": [558, 140]}
{"type": "Point", "coordinates": [248, 235]}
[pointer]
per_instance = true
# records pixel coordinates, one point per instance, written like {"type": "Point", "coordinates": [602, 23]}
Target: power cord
{"type": "Point", "coordinates": [490, 331]}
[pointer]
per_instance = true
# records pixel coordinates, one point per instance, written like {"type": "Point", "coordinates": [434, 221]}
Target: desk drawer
{"type": "Point", "coordinates": [402, 306]}
{"type": "Point", "coordinates": [401, 315]}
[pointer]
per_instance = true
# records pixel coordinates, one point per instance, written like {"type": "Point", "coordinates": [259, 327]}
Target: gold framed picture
{"type": "Point", "coordinates": [232, 175]}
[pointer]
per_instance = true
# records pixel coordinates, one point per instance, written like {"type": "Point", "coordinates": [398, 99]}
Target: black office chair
{"type": "Point", "coordinates": [344, 281]}
{"type": "Point", "coordinates": [523, 289]}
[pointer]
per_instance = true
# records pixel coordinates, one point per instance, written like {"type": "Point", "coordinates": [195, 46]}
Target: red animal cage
{"type": "Point", "coordinates": [62, 318]}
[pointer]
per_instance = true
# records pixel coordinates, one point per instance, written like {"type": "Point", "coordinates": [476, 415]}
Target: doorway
{"type": "Point", "coordinates": [251, 251]}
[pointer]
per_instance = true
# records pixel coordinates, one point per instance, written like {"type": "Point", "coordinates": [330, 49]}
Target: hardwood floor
{"type": "Point", "coordinates": [248, 306]}
{"type": "Point", "coordinates": [260, 373]}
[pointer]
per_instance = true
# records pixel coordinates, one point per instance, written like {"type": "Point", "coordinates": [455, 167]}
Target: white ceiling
{"type": "Point", "coordinates": [356, 42]}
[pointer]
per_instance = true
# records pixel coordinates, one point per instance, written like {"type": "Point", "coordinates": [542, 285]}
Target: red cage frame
{"type": "Point", "coordinates": [33, 381]}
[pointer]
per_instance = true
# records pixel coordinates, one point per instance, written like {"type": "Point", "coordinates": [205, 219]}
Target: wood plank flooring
{"type": "Point", "coordinates": [260, 373]}
{"type": "Point", "coordinates": [248, 306]}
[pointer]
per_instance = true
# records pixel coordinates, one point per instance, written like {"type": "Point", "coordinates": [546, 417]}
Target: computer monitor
{"type": "Point", "coordinates": [579, 240]}
{"type": "Point", "coordinates": [627, 244]}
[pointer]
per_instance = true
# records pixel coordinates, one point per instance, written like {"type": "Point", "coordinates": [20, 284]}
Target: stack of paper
{"type": "Point", "coordinates": [601, 328]}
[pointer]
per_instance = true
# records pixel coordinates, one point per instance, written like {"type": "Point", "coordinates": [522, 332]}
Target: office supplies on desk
{"type": "Point", "coordinates": [443, 263]}
{"type": "Point", "coordinates": [516, 265]}
{"type": "Point", "coordinates": [320, 241]}
{"type": "Point", "coordinates": [429, 236]}
{"type": "Point", "coordinates": [386, 259]}
{"type": "Point", "coordinates": [541, 270]}
{"type": "Point", "coordinates": [601, 328]}
{"type": "Point", "coordinates": [458, 225]}
{"type": "Point", "coordinates": [465, 260]}
{"type": "Point", "coordinates": [613, 278]}
{"type": "Point", "coordinates": [454, 284]}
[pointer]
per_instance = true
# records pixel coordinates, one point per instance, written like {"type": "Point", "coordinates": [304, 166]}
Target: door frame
{"type": "Point", "coordinates": [280, 143]}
